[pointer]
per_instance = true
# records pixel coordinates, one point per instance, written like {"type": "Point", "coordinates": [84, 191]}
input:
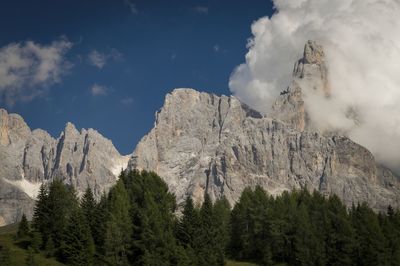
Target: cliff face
{"type": "Point", "coordinates": [29, 158]}
{"type": "Point", "coordinates": [205, 143]}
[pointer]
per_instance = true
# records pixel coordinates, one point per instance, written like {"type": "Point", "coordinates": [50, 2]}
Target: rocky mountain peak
{"type": "Point", "coordinates": [12, 128]}
{"type": "Point", "coordinates": [28, 159]}
{"type": "Point", "coordinates": [313, 53]}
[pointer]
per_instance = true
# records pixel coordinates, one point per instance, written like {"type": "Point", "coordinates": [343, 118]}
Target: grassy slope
{"type": "Point", "coordinates": [18, 255]}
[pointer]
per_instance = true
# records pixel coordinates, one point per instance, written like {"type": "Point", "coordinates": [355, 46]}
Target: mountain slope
{"type": "Point", "coordinates": [28, 158]}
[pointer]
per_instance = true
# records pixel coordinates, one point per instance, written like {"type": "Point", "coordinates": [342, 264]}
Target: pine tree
{"type": "Point", "coordinates": [23, 228]}
{"type": "Point", "coordinates": [41, 216]}
{"type": "Point", "coordinates": [369, 239]}
{"type": "Point", "coordinates": [88, 206]}
{"type": "Point", "coordinates": [61, 203]}
{"type": "Point", "coordinates": [340, 234]}
{"type": "Point", "coordinates": [221, 220]}
{"type": "Point", "coordinates": [119, 226]}
{"type": "Point", "coordinates": [30, 259]}
{"type": "Point", "coordinates": [206, 248]}
{"type": "Point", "coordinates": [50, 249]}
{"type": "Point", "coordinates": [153, 239]}
{"type": "Point", "coordinates": [36, 241]}
{"type": "Point", "coordinates": [77, 247]}
{"type": "Point", "coordinates": [187, 231]}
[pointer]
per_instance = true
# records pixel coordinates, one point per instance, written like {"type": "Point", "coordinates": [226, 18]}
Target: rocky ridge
{"type": "Point", "coordinates": [29, 158]}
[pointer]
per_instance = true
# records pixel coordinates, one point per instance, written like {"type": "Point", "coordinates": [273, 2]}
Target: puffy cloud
{"type": "Point", "coordinates": [99, 59]}
{"type": "Point", "coordinates": [26, 69]}
{"type": "Point", "coordinates": [98, 90]}
{"type": "Point", "coordinates": [362, 46]}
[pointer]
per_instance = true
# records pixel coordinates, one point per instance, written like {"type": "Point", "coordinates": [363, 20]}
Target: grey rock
{"type": "Point", "coordinates": [30, 158]}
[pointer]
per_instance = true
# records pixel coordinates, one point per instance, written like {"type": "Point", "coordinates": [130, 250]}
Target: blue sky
{"type": "Point", "coordinates": [122, 58]}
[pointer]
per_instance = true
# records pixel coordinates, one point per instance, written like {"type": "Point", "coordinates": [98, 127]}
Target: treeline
{"type": "Point", "coordinates": [136, 223]}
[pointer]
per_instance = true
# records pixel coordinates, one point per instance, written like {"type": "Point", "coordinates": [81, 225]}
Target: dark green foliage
{"type": "Point", "coordinates": [23, 228]}
{"type": "Point", "coordinates": [30, 259]}
{"type": "Point", "coordinates": [136, 224]}
{"type": "Point", "coordinates": [118, 226]}
{"type": "Point", "coordinates": [36, 241]}
{"type": "Point", "coordinates": [152, 208]}
{"type": "Point", "coordinates": [4, 255]}
{"type": "Point", "coordinates": [77, 246]}
{"type": "Point", "coordinates": [88, 206]}
{"type": "Point", "coordinates": [369, 239]}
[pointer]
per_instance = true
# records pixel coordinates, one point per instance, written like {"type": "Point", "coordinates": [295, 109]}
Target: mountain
{"type": "Point", "coordinates": [216, 144]}
{"type": "Point", "coordinates": [29, 158]}
{"type": "Point", "coordinates": [204, 143]}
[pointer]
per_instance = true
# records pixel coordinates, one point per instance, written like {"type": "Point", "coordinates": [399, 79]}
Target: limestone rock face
{"type": "Point", "coordinates": [203, 143]}
{"type": "Point", "coordinates": [29, 158]}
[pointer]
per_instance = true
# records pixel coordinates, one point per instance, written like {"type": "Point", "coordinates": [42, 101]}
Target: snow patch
{"type": "Point", "coordinates": [119, 164]}
{"type": "Point", "coordinates": [31, 189]}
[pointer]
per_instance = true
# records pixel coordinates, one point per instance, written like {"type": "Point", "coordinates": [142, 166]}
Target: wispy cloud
{"type": "Point", "coordinates": [99, 90]}
{"type": "Point", "coordinates": [27, 69]}
{"type": "Point", "coordinates": [201, 9]}
{"type": "Point", "coordinates": [131, 6]}
{"type": "Point", "coordinates": [216, 48]}
{"type": "Point", "coordinates": [99, 59]}
{"type": "Point", "coordinates": [127, 101]}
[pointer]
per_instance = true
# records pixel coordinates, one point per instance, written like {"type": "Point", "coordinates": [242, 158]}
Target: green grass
{"type": "Point", "coordinates": [239, 263]}
{"type": "Point", "coordinates": [18, 254]}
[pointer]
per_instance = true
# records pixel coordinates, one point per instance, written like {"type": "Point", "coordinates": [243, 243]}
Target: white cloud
{"type": "Point", "coordinates": [98, 90]}
{"type": "Point", "coordinates": [27, 69]}
{"type": "Point", "coordinates": [99, 59]}
{"type": "Point", "coordinates": [362, 45]}
{"type": "Point", "coordinates": [201, 9]}
{"type": "Point", "coordinates": [216, 48]}
{"type": "Point", "coordinates": [131, 6]}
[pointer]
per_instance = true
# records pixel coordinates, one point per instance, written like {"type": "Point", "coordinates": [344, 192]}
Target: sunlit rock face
{"type": "Point", "coordinates": [203, 143]}
{"type": "Point", "coordinates": [29, 158]}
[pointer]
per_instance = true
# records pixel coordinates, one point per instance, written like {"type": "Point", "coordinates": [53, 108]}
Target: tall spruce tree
{"type": "Point", "coordinates": [118, 226]}
{"type": "Point", "coordinates": [77, 246]}
{"type": "Point", "coordinates": [88, 207]}
{"type": "Point", "coordinates": [23, 228]}
{"type": "Point", "coordinates": [41, 217]}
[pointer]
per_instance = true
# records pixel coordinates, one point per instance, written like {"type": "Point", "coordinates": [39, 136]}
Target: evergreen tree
{"type": "Point", "coordinates": [152, 206]}
{"type": "Point", "coordinates": [187, 231]}
{"type": "Point", "coordinates": [23, 228]}
{"type": "Point", "coordinates": [221, 220]}
{"type": "Point", "coordinates": [88, 206]}
{"type": "Point", "coordinates": [41, 216]}
{"type": "Point", "coordinates": [99, 229]}
{"type": "Point", "coordinates": [119, 226]}
{"type": "Point", "coordinates": [369, 240]}
{"type": "Point", "coordinates": [62, 202]}
{"type": "Point", "coordinates": [340, 234]}
{"type": "Point", "coordinates": [36, 241]}
{"type": "Point", "coordinates": [77, 246]}
{"type": "Point", "coordinates": [30, 259]}
{"type": "Point", "coordinates": [50, 249]}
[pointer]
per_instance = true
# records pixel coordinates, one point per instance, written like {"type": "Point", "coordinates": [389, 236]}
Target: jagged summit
{"type": "Point", "coordinates": [29, 158]}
